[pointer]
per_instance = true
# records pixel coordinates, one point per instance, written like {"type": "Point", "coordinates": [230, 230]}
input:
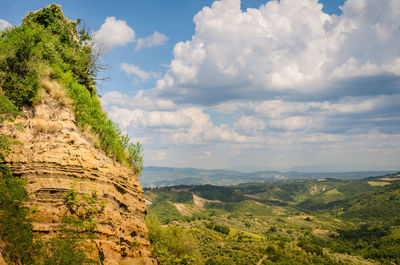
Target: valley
{"type": "Point", "coordinates": [303, 221]}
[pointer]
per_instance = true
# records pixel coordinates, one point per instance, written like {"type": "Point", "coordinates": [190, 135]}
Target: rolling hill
{"type": "Point", "coordinates": [306, 221]}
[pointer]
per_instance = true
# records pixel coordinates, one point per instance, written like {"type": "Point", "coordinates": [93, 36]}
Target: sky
{"type": "Point", "coordinates": [248, 85]}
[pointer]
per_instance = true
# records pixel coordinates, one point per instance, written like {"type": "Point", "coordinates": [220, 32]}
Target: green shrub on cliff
{"type": "Point", "coordinates": [49, 46]}
{"type": "Point", "coordinates": [15, 228]}
{"type": "Point", "coordinates": [19, 76]}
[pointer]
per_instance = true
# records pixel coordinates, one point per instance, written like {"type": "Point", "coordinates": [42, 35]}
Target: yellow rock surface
{"type": "Point", "coordinates": [53, 153]}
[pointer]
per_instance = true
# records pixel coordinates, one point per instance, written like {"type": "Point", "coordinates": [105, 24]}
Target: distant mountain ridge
{"type": "Point", "coordinates": [170, 176]}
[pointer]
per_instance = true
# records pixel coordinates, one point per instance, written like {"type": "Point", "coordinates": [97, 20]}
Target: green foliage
{"type": "Point", "coordinates": [52, 18]}
{"type": "Point", "coordinates": [270, 234]}
{"type": "Point", "coordinates": [135, 154]}
{"type": "Point", "coordinates": [310, 247]}
{"type": "Point", "coordinates": [337, 194]}
{"type": "Point", "coordinates": [66, 251]}
{"type": "Point", "coordinates": [5, 142]}
{"type": "Point", "coordinates": [165, 211]}
{"type": "Point", "coordinates": [15, 228]}
{"type": "Point", "coordinates": [224, 194]}
{"type": "Point", "coordinates": [379, 206]}
{"type": "Point", "coordinates": [273, 229]}
{"type": "Point", "coordinates": [19, 57]}
{"type": "Point", "coordinates": [47, 45]}
{"type": "Point", "coordinates": [7, 108]}
{"type": "Point", "coordinates": [234, 258]}
{"type": "Point", "coordinates": [83, 209]}
{"type": "Point", "coordinates": [365, 232]}
{"type": "Point", "coordinates": [71, 44]}
{"type": "Point", "coordinates": [283, 191]}
{"type": "Point", "coordinates": [21, 50]}
{"type": "Point", "coordinates": [179, 194]}
{"type": "Point", "coordinates": [71, 246]}
{"type": "Point", "coordinates": [89, 113]}
{"type": "Point", "coordinates": [370, 241]}
{"type": "Point", "coordinates": [245, 207]}
{"type": "Point", "coordinates": [74, 243]}
{"type": "Point", "coordinates": [172, 244]}
{"type": "Point", "coordinates": [48, 42]}
{"type": "Point", "coordinates": [219, 228]}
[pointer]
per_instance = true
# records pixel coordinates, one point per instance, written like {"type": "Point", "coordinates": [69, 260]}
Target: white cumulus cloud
{"type": "Point", "coordinates": [138, 118]}
{"type": "Point", "coordinates": [293, 123]}
{"type": "Point", "coordinates": [131, 69]}
{"type": "Point", "coordinates": [203, 130]}
{"type": "Point", "coordinates": [113, 33]}
{"type": "Point", "coordinates": [249, 125]}
{"type": "Point", "coordinates": [284, 84]}
{"type": "Point", "coordinates": [140, 101]}
{"type": "Point", "coordinates": [4, 24]}
{"type": "Point", "coordinates": [282, 47]}
{"type": "Point", "coordinates": [156, 39]}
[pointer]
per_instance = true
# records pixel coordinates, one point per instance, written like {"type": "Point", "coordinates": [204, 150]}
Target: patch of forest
{"type": "Point", "coordinates": [320, 221]}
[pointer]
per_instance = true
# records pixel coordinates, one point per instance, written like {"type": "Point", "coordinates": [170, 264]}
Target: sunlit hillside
{"type": "Point", "coordinates": [322, 221]}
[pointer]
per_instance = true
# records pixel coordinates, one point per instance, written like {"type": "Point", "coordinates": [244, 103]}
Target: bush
{"type": "Point", "coordinates": [15, 228]}
{"type": "Point", "coordinates": [219, 228]}
{"type": "Point", "coordinates": [273, 229]}
{"type": "Point", "coordinates": [19, 75]}
{"type": "Point", "coordinates": [172, 244]}
{"type": "Point", "coordinates": [74, 243]}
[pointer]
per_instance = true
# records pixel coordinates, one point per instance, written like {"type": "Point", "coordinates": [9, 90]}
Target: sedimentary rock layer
{"type": "Point", "coordinates": [54, 156]}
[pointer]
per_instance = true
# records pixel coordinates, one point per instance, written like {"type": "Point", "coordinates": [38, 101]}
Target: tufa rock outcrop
{"type": "Point", "coordinates": [55, 152]}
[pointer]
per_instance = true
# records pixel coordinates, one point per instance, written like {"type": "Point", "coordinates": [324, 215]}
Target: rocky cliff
{"type": "Point", "coordinates": [55, 155]}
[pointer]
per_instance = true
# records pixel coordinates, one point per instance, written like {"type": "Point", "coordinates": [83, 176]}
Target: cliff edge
{"type": "Point", "coordinates": [56, 155]}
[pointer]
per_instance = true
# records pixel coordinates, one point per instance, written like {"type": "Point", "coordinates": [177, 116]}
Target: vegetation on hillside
{"type": "Point", "coordinates": [172, 245]}
{"type": "Point", "coordinates": [47, 46]}
{"type": "Point", "coordinates": [378, 206]}
{"type": "Point", "coordinates": [48, 49]}
{"type": "Point", "coordinates": [325, 221]}
{"type": "Point", "coordinates": [21, 245]}
{"type": "Point", "coordinates": [15, 228]}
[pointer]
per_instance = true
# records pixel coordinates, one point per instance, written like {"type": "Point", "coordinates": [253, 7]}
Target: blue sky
{"type": "Point", "coordinates": [173, 18]}
{"type": "Point", "coordinates": [250, 84]}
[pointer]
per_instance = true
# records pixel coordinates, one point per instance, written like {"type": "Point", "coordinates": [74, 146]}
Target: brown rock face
{"type": "Point", "coordinates": [2, 261]}
{"type": "Point", "coordinates": [54, 153]}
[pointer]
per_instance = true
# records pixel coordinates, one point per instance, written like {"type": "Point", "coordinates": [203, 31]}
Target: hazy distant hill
{"type": "Point", "coordinates": [169, 176]}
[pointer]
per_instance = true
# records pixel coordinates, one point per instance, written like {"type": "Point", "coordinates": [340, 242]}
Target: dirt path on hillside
{"type": "Point", "coordinates": [261, 260]}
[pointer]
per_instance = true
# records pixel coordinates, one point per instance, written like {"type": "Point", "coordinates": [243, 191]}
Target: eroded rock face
{"type": "Point", "coordinates": [2, 261]}
{"type": "Point", "coordinates": [53, 154]}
